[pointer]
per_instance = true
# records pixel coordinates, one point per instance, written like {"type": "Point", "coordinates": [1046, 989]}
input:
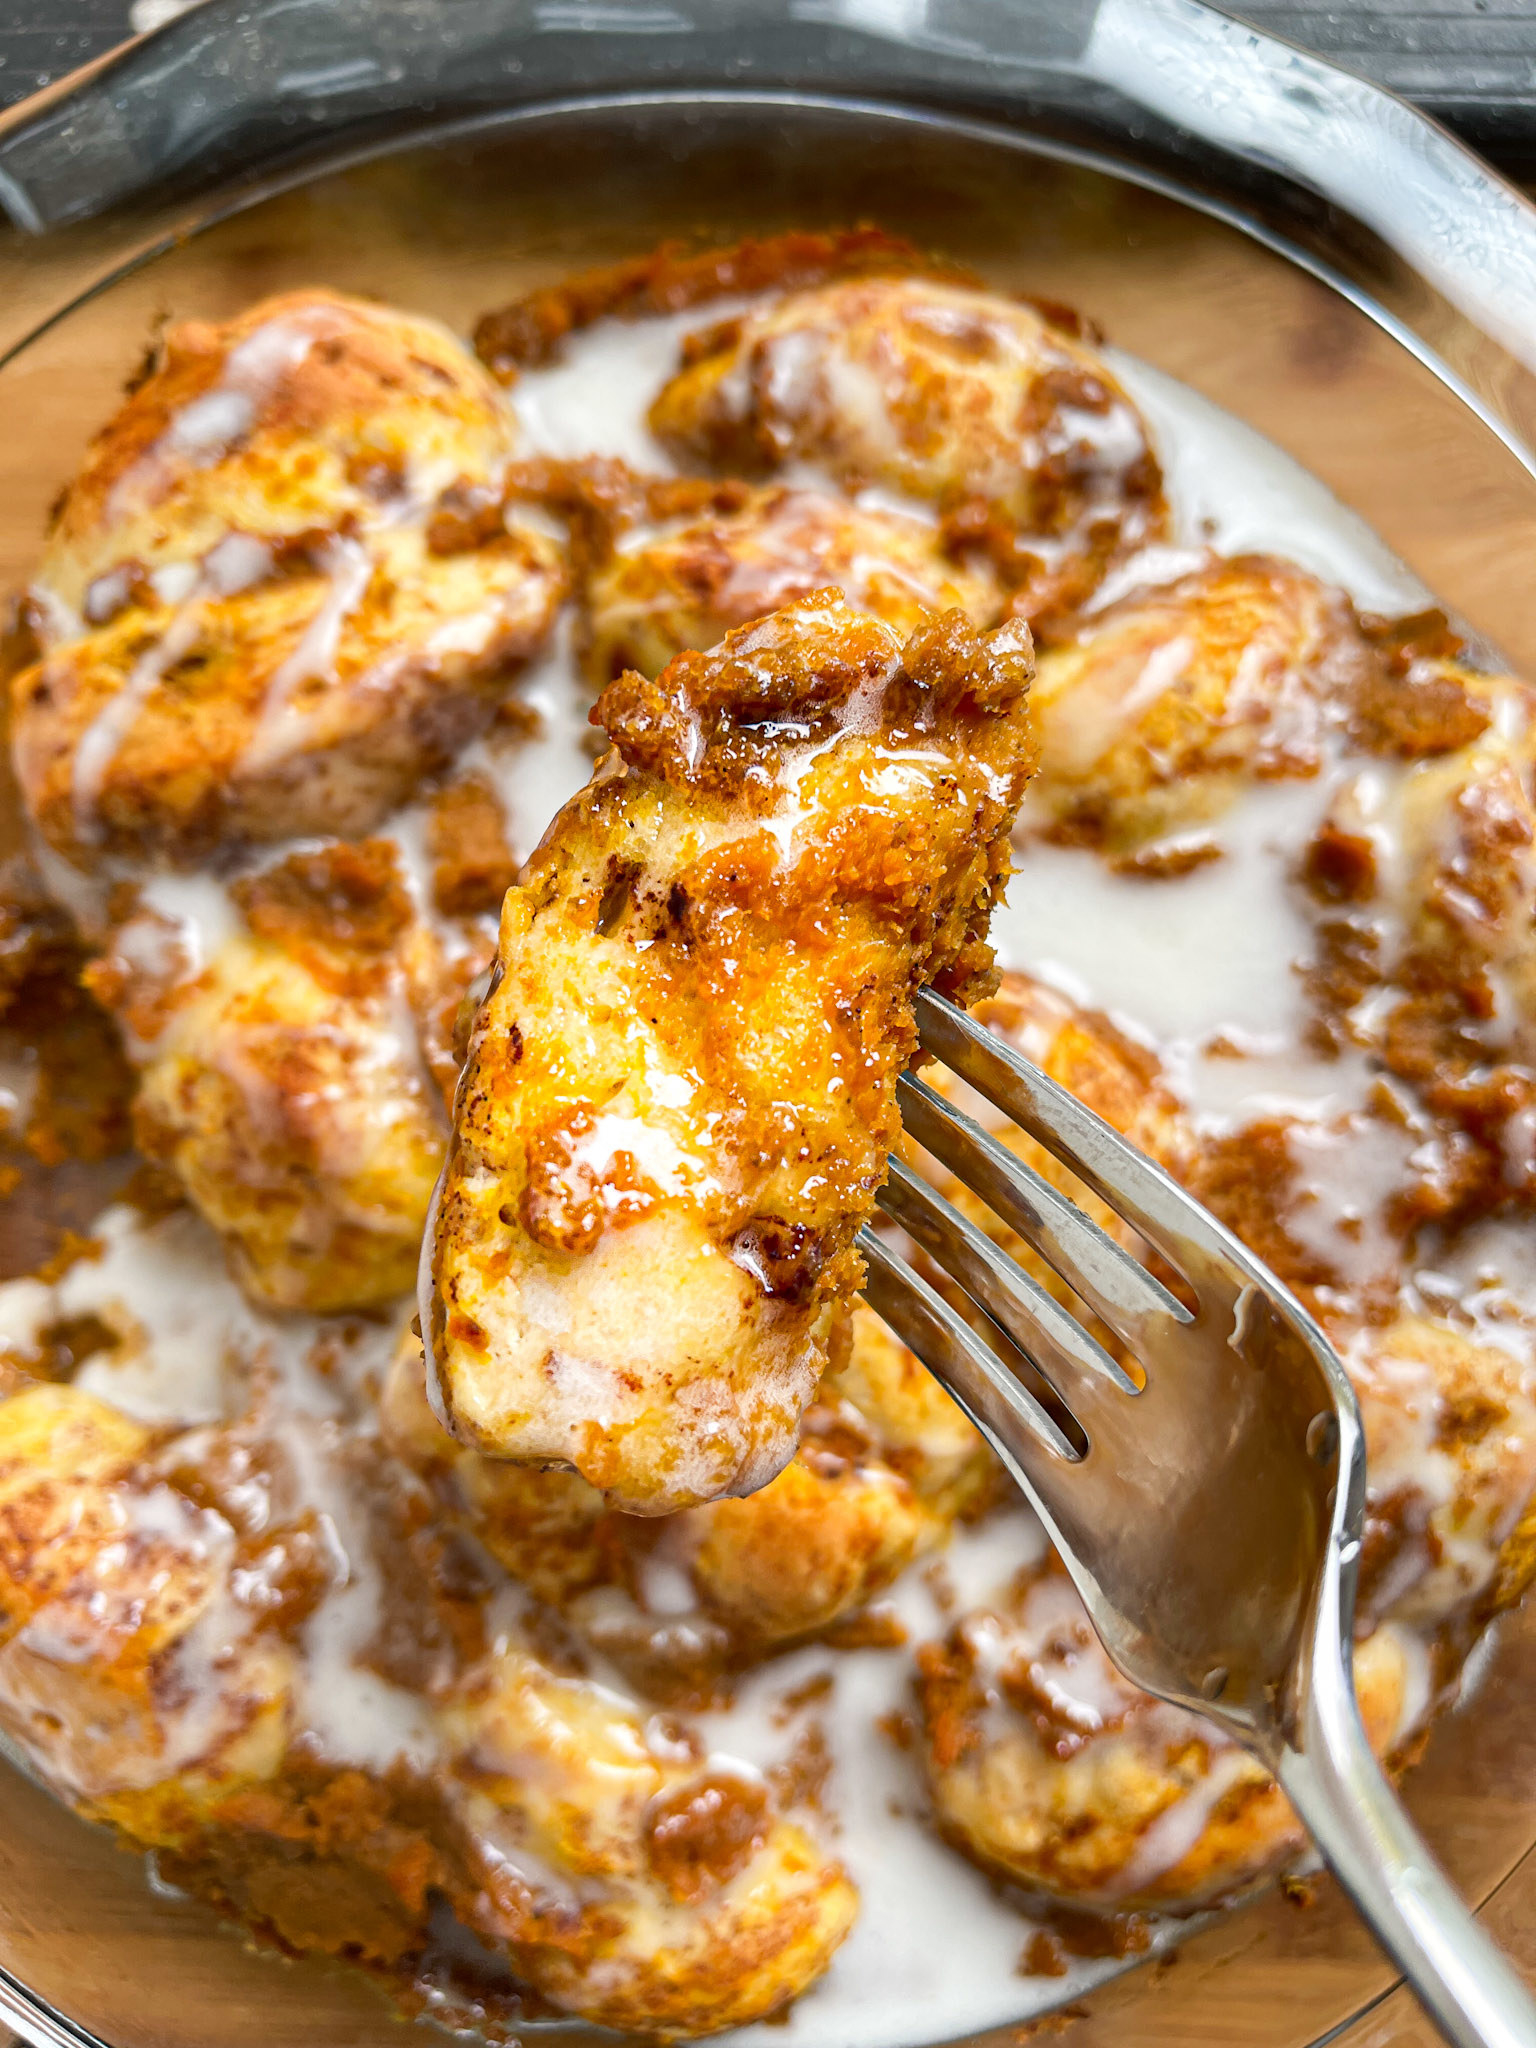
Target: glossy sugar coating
{"type": "Point", "coordinates": [680, 1092]}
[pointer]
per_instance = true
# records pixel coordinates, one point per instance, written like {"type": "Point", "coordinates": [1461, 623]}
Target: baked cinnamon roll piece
{"type": "Point", "coordinates": [1157, 709]}
{"type": "Point", "coordinates": [283, 1079]}
{"type": "Point", "coordinates": [660, 593]}
{"type": "Point", "coordinates": [254, 617]}
{"type": "Point", "coordinates": [1001, 414]}
{"type": "Point", "coordinates": [680, 1092]}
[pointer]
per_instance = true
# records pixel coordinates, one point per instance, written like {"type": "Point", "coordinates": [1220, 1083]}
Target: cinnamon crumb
{"type": "Point", "coordinates": [1043, 1956]}
{"type": "Point", "coordinates": [798, 1697]}
{"type": "Point", "coordinates": [898, 1727]}
{"type": "Point", "coordinates": [525, 720]}
{"type": "Point", "coordinates": [473, 865]}
{"type": "Point", "coordinates": [673, 278]}
{"type": "Point", "coordinates": [801, 1778]}
{"type": "Point", "coordinates": [877, 1628]}
{"type": "Point", "coordinates": [1167, 863]}
{"type": "Point", "coordinates": [74, 1249]}
{"type": "Point", "coordinates": [941, 1587]}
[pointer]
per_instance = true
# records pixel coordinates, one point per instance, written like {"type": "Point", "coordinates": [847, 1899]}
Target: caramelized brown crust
{"type": "Point", "coordinates": [245, 632]}
{"type": "Point", "coordinates": [680, 1095]}
{"type": "Point", "coordinates": [687, 587]}
{"type": "Point", "coordinates": [982, 406]}
{"type": "Point", "coordinates": [674, 278]}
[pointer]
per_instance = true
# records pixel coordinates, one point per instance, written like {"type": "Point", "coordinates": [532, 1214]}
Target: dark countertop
{"type": "Point", "coordinates": [1470, 62]}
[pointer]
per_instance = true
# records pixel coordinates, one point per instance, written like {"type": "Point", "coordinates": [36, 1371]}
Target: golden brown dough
{"type": "Point", "coordinates": [284, 1084]}
{"type": "Point", "coordinates": [247, 628]}
{"type": "Point", "coordinates": [1158, 708]}
{"type": "Point", "coordinates": [682, 1900]}
{"type": "Point", "coordinates": [680, 1094]}
{"type": "Point", "coordinates": [688, 585]}
{"type": "Point", "coordinates": [630, 1877]}
{"type": "Point", "coordinates": [124, 1661]}
{"type": "Point", "coordinates": [885, 1464]}
{"type": "Point", "coordinates": [1048, 1767]}
{"type": "Point", "coordinates": [1011, 425]}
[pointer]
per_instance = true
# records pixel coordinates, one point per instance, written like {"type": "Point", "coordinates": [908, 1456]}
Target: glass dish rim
{"type": "Point", "coordinates": [36, 2020]}
{"type": "Point", "coordinates": [971, 127]}
{"type": "Point", "coordinates": [1402, 204]}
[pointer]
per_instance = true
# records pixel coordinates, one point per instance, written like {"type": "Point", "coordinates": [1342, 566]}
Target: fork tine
{"type": "Point", "coordinates": [1139, 1309]}
{"type": "Point", "coordinates": [1132, 1185]}
{"type": "Point", "coordinates": [1050, 1338]}
{"type": "Point", "coordinates": [995, 1400]}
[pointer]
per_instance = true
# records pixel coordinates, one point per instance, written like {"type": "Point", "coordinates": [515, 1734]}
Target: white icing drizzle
{"type": "Point", "coordinates": [534, 777]}
{"type": "Point", "coordinates": [199, 910]}
{"type": "Point", "coordinates": [594, 399]}
{"type": "Point", "coordinates": [102, 739]}
{"type": "Point", "coordinates": [1235, 491]}
{"type": "Point", "coordinates": [1234, 926]}
{"type": "Point", "coordinates": [348, 569]}
{"type": "Point", "coordinates": [236, 563]}
{"type": "Point", "coordinates": [203, 431]}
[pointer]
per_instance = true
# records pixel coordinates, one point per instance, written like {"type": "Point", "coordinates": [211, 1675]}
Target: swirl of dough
{"type": "Point", "coordinates": [251, 625]}
{"type": "Point", "coordinates": [991, 409]}
{"type": "Point", "coordinates": [686, 586]}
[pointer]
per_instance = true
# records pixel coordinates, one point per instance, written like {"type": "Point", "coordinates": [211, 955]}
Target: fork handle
{"type": "Point", "coordinates": [1334, 1782]}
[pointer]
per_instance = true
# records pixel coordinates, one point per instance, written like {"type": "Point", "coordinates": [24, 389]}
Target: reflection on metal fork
{"type": "Point", "coordinates": [1245, 1426]}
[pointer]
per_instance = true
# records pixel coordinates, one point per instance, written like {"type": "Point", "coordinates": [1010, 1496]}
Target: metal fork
{"type": "Point", "coordinates": [1210, 1516]}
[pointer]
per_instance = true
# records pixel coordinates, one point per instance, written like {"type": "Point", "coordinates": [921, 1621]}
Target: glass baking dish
{"type": "Point", "coordinates": [1294, 245]}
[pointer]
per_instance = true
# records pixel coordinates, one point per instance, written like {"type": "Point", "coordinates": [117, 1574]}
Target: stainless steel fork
{"type": "Point", "coordinates": [1209, 1514]}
